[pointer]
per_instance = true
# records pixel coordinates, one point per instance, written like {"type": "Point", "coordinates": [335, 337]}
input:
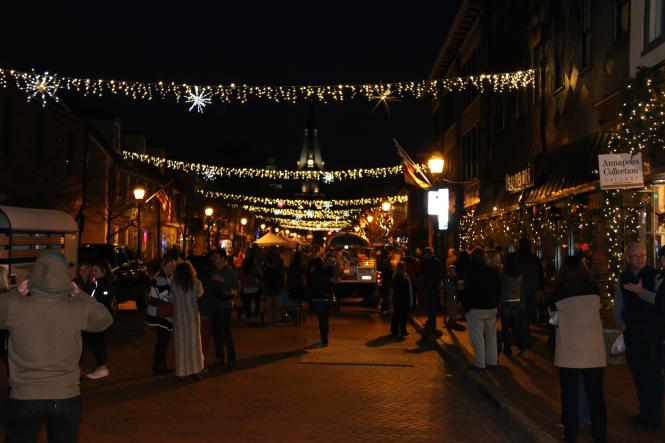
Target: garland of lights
{"type": "Point", "coordinates": [210, 172]}
{"type": "Point", "coordinates": [303, 203]}
{"type": "Point", "coordinates": [308, 225]}
{"type": "Point", "coordinates": [297, 214]}
{"type": "Point", "coordinates": [46, 86]}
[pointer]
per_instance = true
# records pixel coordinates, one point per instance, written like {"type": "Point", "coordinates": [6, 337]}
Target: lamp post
{"type": "Point", "coordinates": [209, 211]}
{"type": "Point", "coordinates": [243, 223]}
{"type": "Point", "coordinates": [139, 195]}
{"type": "Point", "coordinates": [435, 165]}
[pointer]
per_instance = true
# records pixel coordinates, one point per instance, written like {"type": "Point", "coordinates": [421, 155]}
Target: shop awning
{"type": "Point", "coordinates": [572, 168]}
{"type": "Point", "coordinates": [17, 219]}
{"type": "Point", "coordinates": [568, 168]}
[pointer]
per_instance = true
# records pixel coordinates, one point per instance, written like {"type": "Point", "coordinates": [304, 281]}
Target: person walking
{"type": "Point", "coordinates": [297, 285]}
{"type": "Point", "coordinates": [386, 269]}
{"type": "Point", "coordinates": [159, 314]}
{"type": "Point", "coordinates": [45, 348]}
{"type": "Point", "coordinates": [533, 281]}
{"type": "Point", "coordinates": [185, 292]}
{"type": "Point", "coordinates": [273, 283]}
{"type": "Point", "coordinates": [320, 293]}
{"type": "Point", "coordinates": [481, 286]}
{"type": "Point", "coordinates": [402, 300]}
{"type": "Point", "coordinates": [103, 291]}
{"type": "Point", "coordinates": [510, 307]}
{"type": "Point", "coordinates": [451, 294]}
{"type": "Point", "coordinates": [635, 313]}
{"type": "Point", "coordinates": [431, 282]}
{"type": "Point", "coordinates": [222, 284]}
{"type": "Point", "coordinates": [580, 347]}
{"type": "Point", "coordinates": [250, 288]}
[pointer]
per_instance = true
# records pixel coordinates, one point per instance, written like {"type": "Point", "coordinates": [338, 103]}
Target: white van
{"type": "Point", "coordinates": [27, 232]}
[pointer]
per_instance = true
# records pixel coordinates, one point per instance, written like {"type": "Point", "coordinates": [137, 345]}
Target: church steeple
{"type": "Point", "coordinates": [310, 155]}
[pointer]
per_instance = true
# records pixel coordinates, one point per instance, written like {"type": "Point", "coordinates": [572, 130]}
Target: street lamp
{"type": "Point", "coordinates": [435, 163]}
{"type": "Point", "coordinates": [386, 206]}
{"type": "Point", "coordinates": [369, 218]}
{"type": "Point", "coordinates": [209, 211]}
{"type": "Point", "coordinates": [139, 195]}
{"type": "Point", "coordinates": [243, 221]}
{"type": "Point", "coordinates": [263, 226]}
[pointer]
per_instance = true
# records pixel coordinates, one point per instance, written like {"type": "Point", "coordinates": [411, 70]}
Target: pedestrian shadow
{"type": "Point", "coordinates": [383, 340]}
{"type": "Point", "coordinates": [260, 360]}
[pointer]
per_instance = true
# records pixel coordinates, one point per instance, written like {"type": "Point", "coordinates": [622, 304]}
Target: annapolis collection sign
{"type": "Point", "coordinates": [620, 171]}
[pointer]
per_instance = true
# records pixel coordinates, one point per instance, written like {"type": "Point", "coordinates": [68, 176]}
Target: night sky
{"type": "Point", "coordinates": [312, 43]}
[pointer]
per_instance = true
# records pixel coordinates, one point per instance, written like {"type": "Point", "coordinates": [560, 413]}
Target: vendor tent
{"type": "Point", "coordinates": [271, 239]}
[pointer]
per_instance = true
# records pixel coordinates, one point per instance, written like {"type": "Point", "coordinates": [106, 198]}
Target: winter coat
{"type": "Point", "coordinates": [45, 332]}
{"type": "Point", "coordinates": [579, 336]}
{"type": "Point", "coordinates": [273, 279]}
{"type": "Point", "coordinates": [481, 287]}
{"type": "Point", "coordinates": [402, 293]}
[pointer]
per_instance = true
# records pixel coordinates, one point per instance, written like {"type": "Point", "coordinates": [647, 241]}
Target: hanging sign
{"type": "Point", "coordinates": [620, 171]}
{"type": "Point", "coordinates": [438, 204]}
{"type": "Point", "coordinates": [520, 180]}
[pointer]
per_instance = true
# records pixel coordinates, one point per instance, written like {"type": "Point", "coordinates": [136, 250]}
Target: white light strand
{"type": "Point", "coordinates": [210, 172]}
{"type": "Point", "coordinates": [303, 203]}
{"type": "Point", "coordinates": [242, 93]}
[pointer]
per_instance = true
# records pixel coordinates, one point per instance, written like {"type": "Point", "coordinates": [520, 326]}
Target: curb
{"type": "Point", "coordinates": [507, 410]}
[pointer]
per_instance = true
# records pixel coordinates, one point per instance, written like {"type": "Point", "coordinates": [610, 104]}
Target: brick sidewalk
{"type": "Point", "coordinates": [531, 383]}
{"type": "Point", "coordinates": [365, 387]}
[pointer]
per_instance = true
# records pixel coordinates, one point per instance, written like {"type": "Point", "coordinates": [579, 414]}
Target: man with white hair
{"type": "Point", "coordinates": [635, 314]}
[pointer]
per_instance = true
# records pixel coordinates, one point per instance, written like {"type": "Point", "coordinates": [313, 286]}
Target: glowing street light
{"type": "Point", "coordinates": [386, 206]}
{"type": "Point", "coordinates": [139, 195]}
{"type": "Point", "coordinates": [243, 221]}
{"type": "Point", "coordinates": [435, 163]}
{"type": "Point", "coordinates": [370, 218]}
{"type": "Point", "coordinates": [208, 211]}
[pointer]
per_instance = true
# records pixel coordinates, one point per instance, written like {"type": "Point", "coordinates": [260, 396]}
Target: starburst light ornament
{"type": "Point", "coordinates": [209, 175]}
{"type": "Point", "coordinates": [328, 178]}
{"type": "Point", "coordinates": [42, 87]}
{"type": "Point", "coordinates": [199, 100]}
{"type": "Point", "coordinates": [327, 205]}
{"type": "Point", "coordinates": [309, 213]}
{"type": "Point", "coordinates": [383, 96]}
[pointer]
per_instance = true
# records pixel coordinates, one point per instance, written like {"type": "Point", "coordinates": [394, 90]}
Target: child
{"type": "Point", "coordinates": [450, 292]}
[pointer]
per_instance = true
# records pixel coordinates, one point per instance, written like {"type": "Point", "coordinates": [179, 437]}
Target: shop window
{"type": "Point", "coordinates": [471, 153]}
{"type": "Point", "coordinates": [622, 18]}
{"type": "Point", "coordinates": [654, 21]}
{"type": "Point", "coordinates": [585, 37]}
{"type": "Point", "coordinates": [557, 55]}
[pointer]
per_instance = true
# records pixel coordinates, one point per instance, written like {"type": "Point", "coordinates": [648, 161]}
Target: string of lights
{"type": "Point", "coordinates": [298, 214]}
{"type": "Point", "coordinates": [309, 225]}
{"type": "Point", "coordinates": [303, 203]}
{"type": "Point", "coordinates": [47, 86]}
{"type": "Point", "coordinates": [211, 172]}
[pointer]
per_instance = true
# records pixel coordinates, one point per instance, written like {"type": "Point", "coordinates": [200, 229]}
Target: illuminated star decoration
{"type": "Point", "coordinates": [309, 213]}
{"type": "Point", "coordinates": [346, 214]}
{"type": "Point", "coordinates": [327, 205]}
{"type": "Point", "coordinates": [209, 175]}
{"type": "Point", "coordinates": [327, 178]}
{"type": "Point", "coordinates": [298, 217]}
{"type": "Point", "coordinates": [278, 211]}
{"type": "Point", "coordinates": [199, 100]}
{"type": "Point", "coordinates": [383, 96]}
{"type": "Point", "coordinates": [42, 86]}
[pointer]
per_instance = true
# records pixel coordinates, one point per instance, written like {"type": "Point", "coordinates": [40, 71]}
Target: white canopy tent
{"type": "Point", "coordinates": [271, 239]}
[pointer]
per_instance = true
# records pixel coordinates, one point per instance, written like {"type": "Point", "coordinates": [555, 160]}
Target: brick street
{"type": "Point", "coordinates": [364, 387]}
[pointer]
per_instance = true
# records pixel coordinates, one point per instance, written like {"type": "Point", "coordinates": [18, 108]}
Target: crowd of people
{"type": "Point", "coordinates": [194, 301]}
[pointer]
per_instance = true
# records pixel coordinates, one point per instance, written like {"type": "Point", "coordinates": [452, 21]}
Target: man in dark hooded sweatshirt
{"type": "Point", "coordinates": [44, 350]}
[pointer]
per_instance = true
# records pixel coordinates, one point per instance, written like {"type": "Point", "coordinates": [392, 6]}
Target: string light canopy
{"type": "Point", "coordinates": [197, 97]}
{"type": "Point", "coordinates": [210, 172]}
{"type": "Point", "coordinates": [303, 203]}
{"type": "Point", "coordinates": [308, 225]}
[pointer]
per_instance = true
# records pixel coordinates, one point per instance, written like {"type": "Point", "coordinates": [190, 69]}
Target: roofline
{"type": "Point", "coordinates": [465, 12]}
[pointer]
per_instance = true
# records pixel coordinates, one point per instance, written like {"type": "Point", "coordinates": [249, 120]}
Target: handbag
{"type": "Point", "coordinates": [165, 309]}
{"type": "Point", "coordinates": [619, 347]}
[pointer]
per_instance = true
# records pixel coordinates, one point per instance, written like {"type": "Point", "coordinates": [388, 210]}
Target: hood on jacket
{"type": "Point", "coordinates": [49, 274]}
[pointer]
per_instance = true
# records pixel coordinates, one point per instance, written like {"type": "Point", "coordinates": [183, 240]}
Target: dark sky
{"type": "Point", "coordinates": [272, 43]}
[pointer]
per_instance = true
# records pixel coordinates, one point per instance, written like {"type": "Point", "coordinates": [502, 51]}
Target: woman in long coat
{"type": "Point", "coordinates": [185, 292]}
{"type": "Point", "coordinates": [580, 347]}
